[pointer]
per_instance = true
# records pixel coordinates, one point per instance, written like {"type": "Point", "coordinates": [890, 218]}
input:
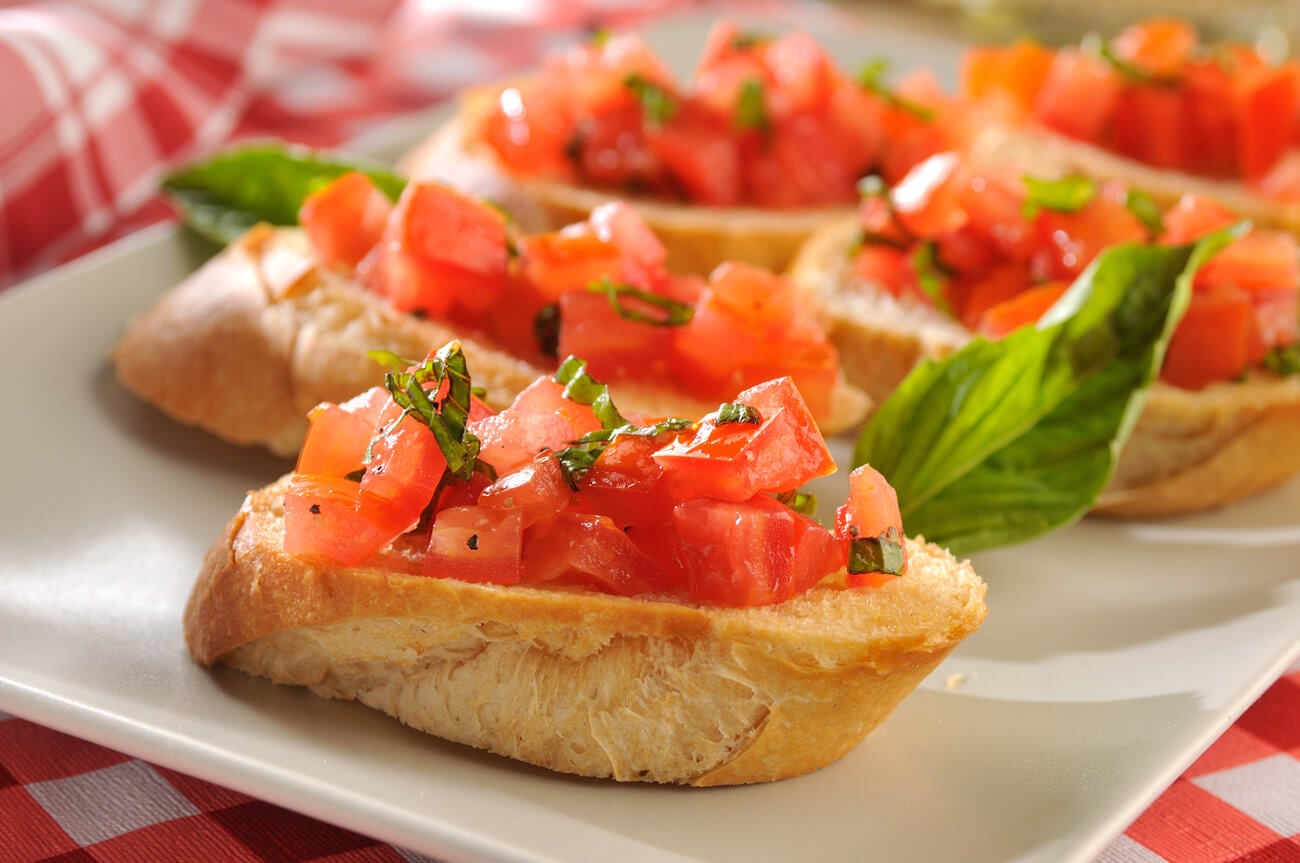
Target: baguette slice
{"type": "Point", "coordinates": [697, 238]}
{"type": "Point", "coordinates": [1190, 451]}
{"type": "Point", "coordinates": [262, 333]}
{"type": "Point", "coordinates": [637, 689]}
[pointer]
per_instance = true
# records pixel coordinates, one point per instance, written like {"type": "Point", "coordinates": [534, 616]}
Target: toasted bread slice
{"type": "Point", "coordinates": [1189, 451]}
{"type": "Point", "coordinates": [638, 689]}
{"type": "Point", "coordinates": [262, 333]}
{"type": "Point", "coordinates": [697, 238]}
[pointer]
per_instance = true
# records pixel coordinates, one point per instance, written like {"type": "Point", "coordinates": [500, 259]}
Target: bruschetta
{"type": "Point", "coordinates": [742, 162]}
{"type": "Point", "coordinates": [284, 317]}
{"type": "Point", "coordinates": [641, 599]}
{"type": "Point", "coordinates": [956, 250]}
{"type": "Point", "coordinates": [1154, 107]}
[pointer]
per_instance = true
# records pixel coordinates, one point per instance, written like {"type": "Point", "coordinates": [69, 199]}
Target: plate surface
{"type": "Point", "coordinates": [1112, 655]}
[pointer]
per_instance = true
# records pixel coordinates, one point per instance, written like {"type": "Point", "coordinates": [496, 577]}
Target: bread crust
{"type": "Point", "coordinates": [638, 689]}
{"type": "Point", "coordinates": [1189, 451]}
{"type": "Point", "coordinates": [262, 333]}
{"type": "Point", "coordinates": [697, 238]}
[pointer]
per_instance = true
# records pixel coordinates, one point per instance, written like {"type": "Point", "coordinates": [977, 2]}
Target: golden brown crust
{"type": "Point", "coordinates": [262, 333]}
{"type": "Point", "coordinates": [1189, 451]}
{"type": "Point", "coordinates": [697, 238]}
{"type": "Point", "coordinates": [634, 688]}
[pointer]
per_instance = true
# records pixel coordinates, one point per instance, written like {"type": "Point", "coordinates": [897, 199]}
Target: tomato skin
{"type": "Point", "coordinates": [536, 491]}
{"type": "Point", "coordinates": [1070, 241]}
{"type": "Point", "coordinates": [405, 464]}
{"type": "Point", "coordinates": [928, 200]}
{"type": "Point", "coordinates": [996, 286]}
{"type": "Point", "coordinates": [576, 548]}
{"type": "Point", "coordinates": [699, 155]}
{"type": "Point", "coordinates": [339, 434]}
{"type": "Point", "coordinates": [476, 543]}
{"type": "Point", "coordinates": [1148, 126]}
{"type": "Point", "coordinates": [871, 511]}
{"type": "Point", "coordinates": [335, 518]}
{"type": "Point", "coordinates": [345, 219]}
{"type": "Point", "coordinates": [625, 484]}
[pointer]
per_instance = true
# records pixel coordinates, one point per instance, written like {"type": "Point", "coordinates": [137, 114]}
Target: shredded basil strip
{"type": "Point", "coordinates": [1066, 195]}
{"type": "Point", "coordinates": [546, 330]}
{"type": "Point", "coordinates": [872, 77]}
{"type": "Point", "coordinates": [1147, 211]}
{"type": "Point", "coordinates": [582, 388]}
{"type": "Point", "coordinates": [226, 194]}
{"type": "Point", "coordinates": [882, 553]}
{"type": "Point", "coordinates": [1130, 72]}
{"type": "Point", "coordinates": [747, 39]}
{"type": "Point", "coordinates": [735, 412]}
{"type": "Point", "coordinates": [676, 313]}
{"type": "Point", "coordinates": [751, 112]}
{"type": "Point", "coordinates": [1284, 360]}
{"type": "Point", "coordinates": [578, 457]}
{"type": "Point", "coordinates": [801, 502]}
{"type": "Point", "coordinates": [931, 275]}
{"type": "Point", "coordinates": [448, 419]}
{"type": "Point", "coordinates": [659, 105]}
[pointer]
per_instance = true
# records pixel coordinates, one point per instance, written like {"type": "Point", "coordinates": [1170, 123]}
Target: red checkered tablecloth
{"type": "Point", "coordinates": [101, 98]}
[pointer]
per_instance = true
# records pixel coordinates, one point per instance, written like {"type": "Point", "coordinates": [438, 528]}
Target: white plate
{"type": "Point", "coordinates": [1112, 655]}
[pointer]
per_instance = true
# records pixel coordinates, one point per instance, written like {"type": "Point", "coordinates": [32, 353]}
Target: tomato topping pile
{"type": "Point", "coordinates": [1155, 94]}
{"type": "Point", "coordinates": [598, 289]}
{"type": "Point", "coordinates": [766, 121]}
{"type": "Point", "coordinates": [561, 489]}
{"type": "Point", "coordinates": [995, 250]}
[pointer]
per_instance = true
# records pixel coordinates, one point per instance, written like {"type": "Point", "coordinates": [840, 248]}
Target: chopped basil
{"type": "Point", "coordinates": [751, 112]}
{"type": "Point", "coordinates": [658, 104]}
{"type": "Point", "coordinates": [872, 77]}
{"type": "Point", "coordinates": [1011, 439]}
{"type": "Point", "coordinates": [1284, 360]}
{"type": "Point", "coordinates": [1147, 211]}
{"type": "Point", "coordinates": [582, 388]}
{"type": "Point", "coordinates": [882, 553]}
{"type": "Point", "coordinates": [801, 502]}
{"type": "Point", "coordinates": [675, 313]}
{"type": "Point", "coordinates": [225, 195]}
{"type": "Point", "coordinates": [931, 275]}
{"type": "Point", "coordinates": [747, 39]}
{"type": "Point", "coordinates": [447, 419]}
{"type": "Point", "coordinates": [600, 36]}
{"type": "Point", "coordinates": [546, 330]}
{"type": "Point", "coordinates": [735, 412]}
{"type": "Point", "coordinates": [1066, 195]}
{"type": "Point", "coordinates": [1128, 71]}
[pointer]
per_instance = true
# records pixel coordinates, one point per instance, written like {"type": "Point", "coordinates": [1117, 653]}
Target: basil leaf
{"type": "Point", "coordinates": [1284, 360]}
{"type": "Point", "coordinates": [872, 77]}
{"type": "Point", "coordinates": [1003, 441]}
{"type": "Point", "coordinates": [1066, 195]}
{"type": "Point", "coordinates": [227, 194]}
{"type": "Point", "coordinates": [675, 314]}
{"type": "Point", "coordinates": [931, 275]}
{"type": "Point", "coordinates": [747, 39]}
{"type": "Point", "coordinates": [577, 459]}
{"type": "Point", "coordinates": [801, 502]}
{"type": "Point", "coordinates": [586, 390]}
{"type": "Point", "coordinates": [1132, 73]}
{"type": "Point", "coordinates": [658, 105]}
{"type": "Point", "coordinates": [1147, 211]}
{"type": "Point", "coordinates": [735, 412]}
{"type": "Point", "coordinates": [882, 553]}
{"type": "Point", "coordinates": [751, 112]}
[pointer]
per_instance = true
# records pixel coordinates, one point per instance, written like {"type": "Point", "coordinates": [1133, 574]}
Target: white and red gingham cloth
{"type": "Point", "coordinates": [100, 98]}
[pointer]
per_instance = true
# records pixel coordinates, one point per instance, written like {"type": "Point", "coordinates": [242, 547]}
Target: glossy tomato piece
{"type": "Point", "coordinates": [567, 260]}
{"type": "Point", "coordinates": [735, 461]}
{"type": "Point", "coordinates": [405, 462]}
{"type": "Point", "coordinates": [928, 201]}
{"type": "Point", "coordinates": [1259, 261]}
{"type": "Point", "coordinates": [1209, 123]}
{"type": "Point", "coordinates": [1193, 217]}
{"type": "Point", "coordinates": [855, 124]}
{"type": "Point", "coordinates": [339, 434]}
{"type": "Point", "coordinates": [1267, 102]}
{"type": "Point", "coordinates": [625, 484]}
{"type": "Point", "coordinates": [577, 548]}
{"type": "Point", "coordinates": [1025, 308]}
{"type": "Point", "coordinates": [615, 348]}
{"type": "Point", "coordinates": [799, 73]}
{"type": "Point", "coordinates": [994, 203]}
{"type": "Point", "coordinates": [537, 490]}
{"type": "Point", "coordinates": [798, 166]}
{"type": "Point", "coordinates": [1070, 241]}
{"type": "Point", "coordinates": [991, 289]}
{"type": "Point", "coordinates": [1147, 125]}
{"type": "Point", "coordinates": [1078, 95]}
{"type": "Point", "coordinates": [345, 219]}
{"type": "Point", "coordinates": [1157, 46]}
{"type": "Point", "coordinates": [437, 224]}
{"type": "Point", "coordinates": [871, 511]}
{"type": "Point", "coordinates": [529, 127]}
{"type": "Point", "coordinates": [540, 418]}
{"type": "Point", "coordinates": [611, 149]}
{"type": "Point", "coordinates": [475, 543]}
{"type": "Point", "coordinates": [641, 254]}
{"type": "Point", "coordinates": [700, 156]}
{"type": "Point", "coordinates": [334, 518]}
{"type": "Point", "coordinates": [1016, 71]}
{"type": "Point", "coordinates": [1212, 341]}
{"type": "Point", "coordinates": [885, 267]}
{"type": "Point", "coordinates": [750, 553]}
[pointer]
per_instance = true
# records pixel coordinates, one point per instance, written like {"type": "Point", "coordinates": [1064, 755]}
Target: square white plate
{"type": "Point", "coordinates": [1112, 655]}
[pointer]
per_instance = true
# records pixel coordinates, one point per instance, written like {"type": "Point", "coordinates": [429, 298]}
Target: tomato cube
{"type": "Point", "coordinates": [474, 543]}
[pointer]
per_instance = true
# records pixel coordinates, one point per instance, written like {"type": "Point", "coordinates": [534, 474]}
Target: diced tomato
{"type": "Point", "coordinates": [334, 518]}
{"type": "Point", "coordinates": [476, 543]}
{"type": "Point", "coordinates": [614, 347]}
{"type": "Point", "coordinates": [871, 511]}
{"type": "Point", "coordinates": [1267, 103]}
{"type": "Point", "coordinates": [1209, 123]}
{"type": "Point", "coordinates": [928, 200]}
{"type": "Point", "coordinates": [1010, 315]}
{"type": "Point", "coordinates": [1259, 261]}
{"type": "Point", "coordinates": [1212, 341]}
{"type": "Point", "coordinates": [624, 484]}
{"type": "Point", "coordinates": [345, 219]}
{"type": "Point", "coordinates": [440, 225]}
{"type": "Point", "coordinates": [1071, 240]}
{"type": "Point", "coordinates": [612, 150]}
{"type": "Point", "coordinates": [994, 203]}
{"type": "Point", "coordinates": [799, 72]}
{"type": "Point", "coordinates": [885, 267]}
{"type": "Point", "coordinates": [568, 260]}
{"type": "Point", "coordinates": [995, 287]}
{"type": "Point", "coordinates": [1193, 217]}
{"type": "Point", "coordinates": [589, 549]}
{"type": "Point", "coordinates": [1157, 46]}
{"type": "Point", "coordinates": [754, 552]}
{"type": "Point", "coordinates": [641, 254]}
{"type": "Point", "coordinates": [537, 490]}
{"type": "Point", "coordinates": [1078, 95]}
{"type": "Point", "coordinates": [339, 434]}
{"type": "Point", "coordinates": [540, 418]}
{"type": "Point", "coordinates": [1283, 181]}
{"type": "Point", "coordinates": [405, 462]}
{"type": "Point", "coordinates": [1018, 70]}
{"type": "Point", "coordinates": [856, 126]}
{"type": "Point", "coordinates": [529, 128]}
{"type": "Point", "coordinates": [700, 156]}
{"type": "Point", "coordinates": [1147, 125]}
{"type": "Point", "coordinates": [798, 167]}
{"type": "Point", "coordinates": [735, 461]}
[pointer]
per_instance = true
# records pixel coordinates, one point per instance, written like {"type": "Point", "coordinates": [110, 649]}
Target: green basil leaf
{"type": "Point", "coordinates": [225, 195]}
{"type": "Point", "coordinates": [882, 553]}
{"type": "Point", "coordinates": [751, 112]}
{"type": "Point", "coordinates": [1284, 360]}
{"type": "Point", "coordinates": [801, 502]}
{"type": "Point", "coordinates": [931, 275]}
{"type": "Point", "coordinates": [1147, 211]}
{"type": "Point", "coordinates": [735, 412]}
{"type": "Point", "coordinates": [658, 105]}
{"type": "Point", "coordinates": [675, 313]}
{"type": "Point", "coordinates": [586, 390]}
{"type": "Point", "coordinates": [1066, 195]}
{"type": "Point", "coordinates": [1128, 71]}
{"type": "Point", "coordinates": [1003, 441]}
{"type": "Point", "coordinates": [872, 77]}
